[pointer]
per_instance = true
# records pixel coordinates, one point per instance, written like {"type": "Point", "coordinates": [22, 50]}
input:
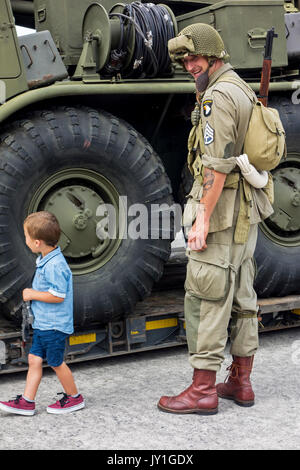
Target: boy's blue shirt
{"type": "Point", "coordinates": [53, 275]}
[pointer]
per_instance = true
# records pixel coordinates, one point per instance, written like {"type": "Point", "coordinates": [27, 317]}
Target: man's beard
{"type": "Point", "coordinates": [202, 81]}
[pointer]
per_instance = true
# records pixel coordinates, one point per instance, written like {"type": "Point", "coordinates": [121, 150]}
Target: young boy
{"type": "Point", "coordinates": [51, 299]}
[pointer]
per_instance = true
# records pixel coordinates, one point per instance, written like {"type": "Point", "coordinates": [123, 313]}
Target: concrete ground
{"type": "Point", "coordinates": [121, 395]}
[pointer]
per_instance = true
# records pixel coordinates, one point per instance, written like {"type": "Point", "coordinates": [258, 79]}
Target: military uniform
{"type": "Point", "coordinates": [219, 280]}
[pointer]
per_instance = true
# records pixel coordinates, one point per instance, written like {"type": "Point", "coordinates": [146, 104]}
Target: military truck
{"type": "Point", "coordinates": [94, 117]}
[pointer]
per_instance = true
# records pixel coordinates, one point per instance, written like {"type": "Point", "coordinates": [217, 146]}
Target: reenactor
{"type": "Point", "coordinates": [224, 207]}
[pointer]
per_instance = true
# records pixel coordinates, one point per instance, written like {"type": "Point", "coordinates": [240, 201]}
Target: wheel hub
{"type": "Point", "coordinates": [74, 207]}
{"type": "Point", "coordinates": [80, 221]}
{"type": "Point", "coordinates": [76, 197]}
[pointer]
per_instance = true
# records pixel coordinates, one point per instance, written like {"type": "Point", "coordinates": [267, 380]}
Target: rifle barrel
{"type": "Point", "coordinates": [269, 43]}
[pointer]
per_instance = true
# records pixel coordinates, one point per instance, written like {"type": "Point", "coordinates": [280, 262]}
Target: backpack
{"type": "Point", "coordinates": [265, 138]}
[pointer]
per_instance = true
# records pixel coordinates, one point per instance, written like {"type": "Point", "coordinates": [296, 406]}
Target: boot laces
{"type": "Point", "coordinates": [64, 399]}
{"type": "Point", "coordinates": [16, 399]}
{"type": "Point", "coordinates": [234, 371]}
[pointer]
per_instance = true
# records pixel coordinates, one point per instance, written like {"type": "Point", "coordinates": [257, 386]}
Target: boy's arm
{"type": "Point", "coordinates": [31, 294]}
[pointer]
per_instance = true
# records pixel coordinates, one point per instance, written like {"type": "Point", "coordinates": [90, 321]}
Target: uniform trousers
{"type": "Point", "coordinates": [219, 288]}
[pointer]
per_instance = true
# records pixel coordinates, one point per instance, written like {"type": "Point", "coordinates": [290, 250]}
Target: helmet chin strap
{"type": "Point", "coordinates": [202, 80]}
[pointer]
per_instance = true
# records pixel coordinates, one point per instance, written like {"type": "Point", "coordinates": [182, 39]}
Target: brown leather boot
{"type": "Point", "coordinates": [200, 397]}
{"type": "Point", "coordinates": [237, 385]}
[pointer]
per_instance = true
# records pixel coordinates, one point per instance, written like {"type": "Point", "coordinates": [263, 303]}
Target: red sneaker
{"type": "Point", "coordinates": [66, 404]}
{"type": "Point", "coordinates": [18, 406]}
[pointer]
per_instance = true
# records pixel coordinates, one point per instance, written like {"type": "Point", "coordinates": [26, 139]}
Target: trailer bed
{"type": "Point", "coordinates": [157, 322]}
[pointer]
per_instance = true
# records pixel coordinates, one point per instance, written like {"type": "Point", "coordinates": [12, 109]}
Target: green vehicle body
{"type": "Point", "coordinates": [158, 110]}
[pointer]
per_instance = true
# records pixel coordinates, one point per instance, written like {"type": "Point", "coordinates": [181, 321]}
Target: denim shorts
{"type": "Point", "coordinates": [50, 345]}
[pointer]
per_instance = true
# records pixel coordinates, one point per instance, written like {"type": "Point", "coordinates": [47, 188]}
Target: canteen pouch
{"type": "Point", "coordinates": [265, 139]}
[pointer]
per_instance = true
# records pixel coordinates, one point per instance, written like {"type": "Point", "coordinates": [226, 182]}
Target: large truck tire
{"type": "Point", "coordinates": [73, 161]}
{"type": "Point", "coordinates": [277, 268]}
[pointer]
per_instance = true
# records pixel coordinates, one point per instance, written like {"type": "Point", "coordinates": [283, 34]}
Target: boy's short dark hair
{"type": "Point", "coordinates": [43, 226]}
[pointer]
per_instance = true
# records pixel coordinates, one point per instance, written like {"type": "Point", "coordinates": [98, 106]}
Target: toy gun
{"type": "Point", "coordinates": [266, 69]}
{"type": "Point", "coordinates": [27, 320]}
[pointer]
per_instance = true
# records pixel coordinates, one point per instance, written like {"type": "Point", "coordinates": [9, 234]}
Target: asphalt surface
{"type": "Point", "coordinates": [121, 395]}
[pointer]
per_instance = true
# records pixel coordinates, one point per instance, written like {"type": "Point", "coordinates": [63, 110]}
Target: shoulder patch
{"type": "Point", "coordinates": [207, 105]}
{"type": "Point", "coordinates": [209, 134]}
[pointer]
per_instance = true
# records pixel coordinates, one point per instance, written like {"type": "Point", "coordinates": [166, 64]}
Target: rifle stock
{"type": "Point", "coordinates": [265, 81]}
{"type": "Point", "coordinates": [266, 68]}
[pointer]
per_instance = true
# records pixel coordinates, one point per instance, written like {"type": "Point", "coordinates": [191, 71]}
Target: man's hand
{"type": "Point", "coordinates": [199, 231]}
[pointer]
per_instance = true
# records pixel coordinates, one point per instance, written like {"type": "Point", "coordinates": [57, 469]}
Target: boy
{"type": "Point", "coordinates": [51, 299]}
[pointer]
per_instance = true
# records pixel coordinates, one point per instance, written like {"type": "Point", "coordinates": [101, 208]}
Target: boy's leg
{"type": "Point", "coordinates": [56, 343]}
{"type": "Point", "coordinates": [24, 405]}
{"type": "Point", "coordinates": [71, 401]}
{"type": "Point", "coordinates": [34, 376]}
{"type": "Point", "coordinates": [35, 370]}
{"type": "Point", "coordinates": [65, 377]}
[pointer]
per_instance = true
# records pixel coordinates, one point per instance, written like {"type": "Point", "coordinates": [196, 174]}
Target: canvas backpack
{"type": "Point", "coordinates": [265, 138]}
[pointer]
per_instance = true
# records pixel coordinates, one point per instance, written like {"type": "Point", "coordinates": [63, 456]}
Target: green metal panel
{"type": "Point", "coordinates": [63, 18]}
{"type": "Point", "coordinates": [11, 66]}
{"type": "Point", "coordinates": [243, 25]}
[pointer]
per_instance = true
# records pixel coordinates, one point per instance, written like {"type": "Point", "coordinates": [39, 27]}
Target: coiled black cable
{"type": "Point", "coordinates": [153, 28]}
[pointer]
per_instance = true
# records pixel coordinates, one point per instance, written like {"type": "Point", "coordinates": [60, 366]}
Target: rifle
{"type": "Point", "coordinates": [266, 69]}
{"type": "Point", "coordinates": [27, 320]}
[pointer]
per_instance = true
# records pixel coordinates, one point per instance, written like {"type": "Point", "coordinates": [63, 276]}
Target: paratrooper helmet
{"type": "Point", "coordinates": [197, 39]}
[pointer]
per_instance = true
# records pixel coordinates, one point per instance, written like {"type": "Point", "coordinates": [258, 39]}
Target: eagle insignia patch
{"type": "Point", "coordinates": [207, 105]}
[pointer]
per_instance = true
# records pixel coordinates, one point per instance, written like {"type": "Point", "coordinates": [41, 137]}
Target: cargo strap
{"type": "Point", "coordinates": [243, 315]}
{"type": "Point", "coordinates": [195, 148]}
{"type": "Point", "coordinates": [242, 85]}
{"type": "Point", "coordinates": [243, 222]}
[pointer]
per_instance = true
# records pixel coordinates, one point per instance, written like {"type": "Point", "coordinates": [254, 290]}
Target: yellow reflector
{"type": "Point", "coordinates": [296, 311]}
{"type": "Point", "coordinates": [156, 324]}
{"type": "Point", "coordinates": [81, 339]}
